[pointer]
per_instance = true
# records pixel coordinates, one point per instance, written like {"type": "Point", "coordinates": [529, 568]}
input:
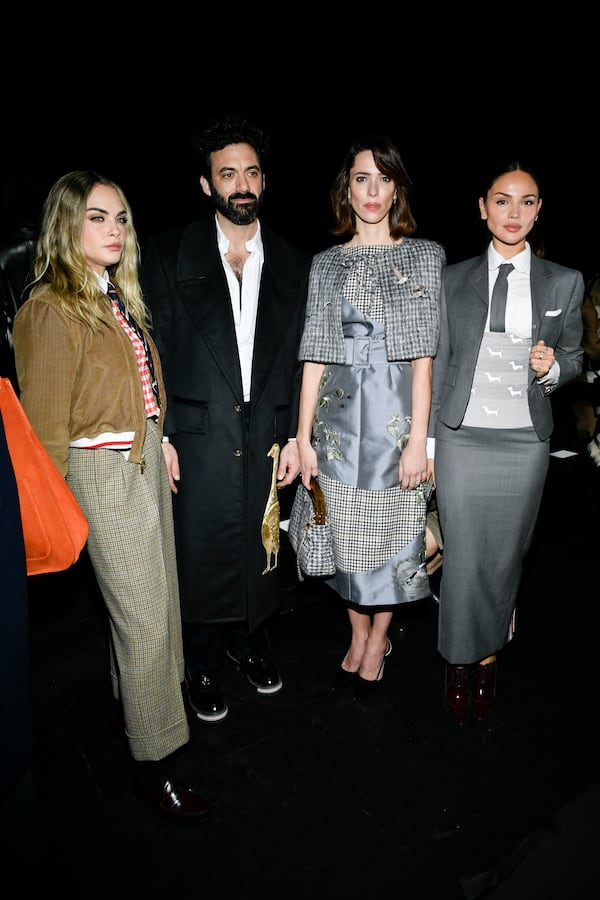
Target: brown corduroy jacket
{"type": "Point", "coordinates": [75, 383]}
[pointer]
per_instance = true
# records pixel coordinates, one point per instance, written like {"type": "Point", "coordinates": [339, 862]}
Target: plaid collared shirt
{"type": "Point", "coordinates": [150, 399]}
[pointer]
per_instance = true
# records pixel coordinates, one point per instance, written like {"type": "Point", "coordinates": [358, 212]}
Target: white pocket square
{"type": "Point", "coordinates": [553, 312]}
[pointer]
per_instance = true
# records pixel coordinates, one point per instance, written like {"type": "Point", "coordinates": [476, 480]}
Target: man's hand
{"type": "Point", "coordinates": [172, 461]}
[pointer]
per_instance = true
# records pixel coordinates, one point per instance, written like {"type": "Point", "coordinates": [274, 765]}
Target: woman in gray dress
{"type": "Point", "coordinates": [491, 417]}
{"type": "Point", "coordinates": [371, 330]}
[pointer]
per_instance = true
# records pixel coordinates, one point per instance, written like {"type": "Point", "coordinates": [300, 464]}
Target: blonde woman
{"type": "Point", "coordinates": [91, 384]}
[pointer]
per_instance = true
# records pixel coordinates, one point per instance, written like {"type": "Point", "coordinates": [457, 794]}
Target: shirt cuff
{"type": "Point", "coordinates": [551, 377]}
{"type": "Point", "coordinates": [165, 439]}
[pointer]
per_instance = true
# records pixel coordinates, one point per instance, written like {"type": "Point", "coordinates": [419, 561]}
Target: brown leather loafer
{"type": "Point", "coordinates": [483, 688]}
{"type": "Point", "coordinates": [176, 800]}
{"type": "Point", "coordinates": [456, 692]}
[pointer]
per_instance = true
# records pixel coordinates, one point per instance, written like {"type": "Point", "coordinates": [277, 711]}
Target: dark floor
{"type": "Point", "coordinates": [315, 795]}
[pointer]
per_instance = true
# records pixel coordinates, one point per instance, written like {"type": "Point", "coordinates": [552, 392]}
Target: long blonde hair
{"type": "Point", "coordinates": [60, 263]}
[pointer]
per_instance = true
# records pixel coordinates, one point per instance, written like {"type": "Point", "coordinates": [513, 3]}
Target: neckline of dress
{"type": "Point", "coordinates": [368, 246]}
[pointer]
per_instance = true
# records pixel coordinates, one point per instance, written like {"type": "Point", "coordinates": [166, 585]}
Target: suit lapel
{"type": "Point", "coordinates": [543, 298]}
{"type": "Point", "coordinates": [542, 292]}
{"type": "Point", "coordinates": [205, 295]}
{"type": "Point", "coordinates": [276, 315]}
{"type": "Point", "coordinates": [478, 279]}
{"type": "Point", "coordinates": [204, 292]}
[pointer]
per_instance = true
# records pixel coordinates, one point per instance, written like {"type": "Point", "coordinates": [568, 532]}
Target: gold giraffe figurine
{"type": "Point", "coordinates": [270, 522]}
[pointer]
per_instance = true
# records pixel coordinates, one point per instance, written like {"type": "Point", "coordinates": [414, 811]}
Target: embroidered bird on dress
{"type": "Point", "coordinates": [271, 517]}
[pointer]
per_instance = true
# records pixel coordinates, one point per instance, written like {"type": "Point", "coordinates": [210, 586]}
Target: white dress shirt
{"type": "Point", "coordinates": [244, 299]}
{"type": "Point", "coordinates": [518, 298]}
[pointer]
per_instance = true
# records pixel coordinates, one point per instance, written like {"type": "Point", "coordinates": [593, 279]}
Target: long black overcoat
{"type": "Point", "coordinates": [223, 446]}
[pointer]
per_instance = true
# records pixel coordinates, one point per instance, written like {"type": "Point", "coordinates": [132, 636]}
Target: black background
{"type": "Point", "coordinates": [458, 107]}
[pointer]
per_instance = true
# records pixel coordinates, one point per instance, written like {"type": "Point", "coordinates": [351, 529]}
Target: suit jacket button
{"type": "Point", "coordinates": [237, 452]}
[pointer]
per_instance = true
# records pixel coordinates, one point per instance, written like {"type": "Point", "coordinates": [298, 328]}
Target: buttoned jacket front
{"type": "Point", "coordinates": [223, 442]}
{"type": "Point", "coordinates": [556, 298]}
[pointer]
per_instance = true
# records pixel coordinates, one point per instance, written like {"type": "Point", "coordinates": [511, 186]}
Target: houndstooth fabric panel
{"type": "Point", "coordinates": [370, 527]}
{"type": "Point", "coordinates": [362, 285]}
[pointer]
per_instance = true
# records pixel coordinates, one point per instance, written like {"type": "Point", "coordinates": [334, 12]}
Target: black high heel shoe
{"type": "Point", "coordinates": [364, 687]}
{"type": "Point", "coordinates": [343, 678]}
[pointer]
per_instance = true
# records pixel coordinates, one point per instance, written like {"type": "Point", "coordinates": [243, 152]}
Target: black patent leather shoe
{"type": "Point", "coordinates": [174, 799]}
{"type": "Point", "coordinates": [205, 698]}
{"type": "Point", "coordinates": [483, 688]}
{"type": "Point", "coordinates": [261, 673]}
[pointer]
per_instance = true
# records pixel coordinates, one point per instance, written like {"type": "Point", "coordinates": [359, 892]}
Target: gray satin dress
{"type": "Point", "coordinates": [361, 425]}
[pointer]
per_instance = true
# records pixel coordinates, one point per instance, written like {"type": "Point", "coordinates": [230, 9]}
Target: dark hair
{"type": "Point", "coordinates": [232, 128]}
{"type": "Point", "coordinates": [535, 237]}
{"type": "Point", "coordinates": [514, 166]}
{"type": "Point", "coordinates": [388, 160]}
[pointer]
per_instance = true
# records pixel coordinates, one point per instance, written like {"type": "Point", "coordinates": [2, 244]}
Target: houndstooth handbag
{"type": "Point", "coordinates": [310, 533]}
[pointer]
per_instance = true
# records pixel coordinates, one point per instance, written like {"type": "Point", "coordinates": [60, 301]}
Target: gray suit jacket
{"type": "Point", "coordinates": [556, 296]}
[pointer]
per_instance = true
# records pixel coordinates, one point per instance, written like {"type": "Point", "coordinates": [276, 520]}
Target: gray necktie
{"type": "Point", "coordinates": [499, 298]}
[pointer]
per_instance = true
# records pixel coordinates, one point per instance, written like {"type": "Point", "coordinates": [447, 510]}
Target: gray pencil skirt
{"type": "Point", "coordinates": [489, 485]}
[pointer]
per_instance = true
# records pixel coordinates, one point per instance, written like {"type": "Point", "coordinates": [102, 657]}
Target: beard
{"type": "Point", "coordinates": [238, 214]}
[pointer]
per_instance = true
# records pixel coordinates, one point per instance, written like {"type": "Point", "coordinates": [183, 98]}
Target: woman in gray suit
{"type": "Point", "coordinates": [491, 418]}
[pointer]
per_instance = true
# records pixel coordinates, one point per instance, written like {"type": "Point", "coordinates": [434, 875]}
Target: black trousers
{"type": "Point", "coordinates": [203, 644]}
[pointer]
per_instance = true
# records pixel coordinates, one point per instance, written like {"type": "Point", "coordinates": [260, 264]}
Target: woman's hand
{"type": "Point", "coordinates": [413, 467]}
{"type": "Point", "coordinates": [541, 359]}
{"type": "Point", "coordinates": [308, 462]}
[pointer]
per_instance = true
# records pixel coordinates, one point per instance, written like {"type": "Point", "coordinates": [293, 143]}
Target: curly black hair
{"type": "Point", "coordinates": [232, 128]}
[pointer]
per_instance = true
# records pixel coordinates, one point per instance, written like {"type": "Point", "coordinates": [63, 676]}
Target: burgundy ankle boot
{"type": "Point", "coordinates": [483, 688]}
{"type": "Point", "coordinates": [456, 693]}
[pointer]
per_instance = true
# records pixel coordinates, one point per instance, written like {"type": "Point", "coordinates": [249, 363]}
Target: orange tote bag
{"type": "Point", "coordinates": [54, 526]}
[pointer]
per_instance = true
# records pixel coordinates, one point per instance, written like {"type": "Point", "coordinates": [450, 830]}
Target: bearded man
{"type": "Point", "coordinates": [227, 296]}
